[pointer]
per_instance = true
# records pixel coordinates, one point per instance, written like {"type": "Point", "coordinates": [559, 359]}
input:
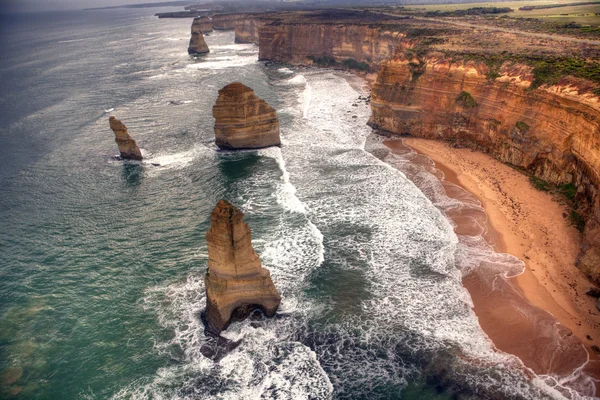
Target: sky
{"type": "Point", "coordinates": [48, 5]}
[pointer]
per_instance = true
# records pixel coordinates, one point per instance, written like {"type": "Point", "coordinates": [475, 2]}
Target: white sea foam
{"type": "Point", "coordinates": [224, 62]}
{"type": "Point", "coordinates": [286, 195]}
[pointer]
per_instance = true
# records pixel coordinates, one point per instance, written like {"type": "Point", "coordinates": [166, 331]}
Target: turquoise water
{"type": "Point", "coordinates": [101, 261]}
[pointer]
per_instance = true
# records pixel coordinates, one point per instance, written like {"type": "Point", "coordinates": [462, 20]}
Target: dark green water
{"type": "Point", "coordinates": [101, 261]}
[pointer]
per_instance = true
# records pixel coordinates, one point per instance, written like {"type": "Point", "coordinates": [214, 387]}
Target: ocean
{"type": "Point", "coordinates": [102, 260]}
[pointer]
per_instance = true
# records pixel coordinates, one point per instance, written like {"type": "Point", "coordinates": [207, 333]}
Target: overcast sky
{"type": "Point", "coordinates": [46, 5]}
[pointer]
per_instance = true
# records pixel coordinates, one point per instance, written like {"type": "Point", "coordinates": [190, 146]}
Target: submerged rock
{"type": "Point", "coordinates": [243, 120]}
{"type": "Point", "coordinates": [197, 43]}
{"type": "Point", "coordinates": [127, 146]}
{"type": "Point", "coordinates": [236, 283]}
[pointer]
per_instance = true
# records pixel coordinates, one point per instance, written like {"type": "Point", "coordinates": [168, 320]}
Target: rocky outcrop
{"type": "Point", "coordinates": [312, 43]}
{"type": "Point", "coordinates": [127, 146]}
{"type": "Point", "coordinates": [203, 24]}
{"type": "Point", "coordinates": [226, 22]}
{"type": "Point", "coordinates": [552, 131]}
{"type": "Point", "coordinates": [243, 120]}
{"type": "Point", "coordinates": [197, 43]}
{"type": "Point", "coordinates": [236, 283]}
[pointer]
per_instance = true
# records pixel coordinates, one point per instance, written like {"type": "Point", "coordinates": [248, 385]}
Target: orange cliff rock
{"type": "Point", "coordinates": [308, 43]}
{"type": "Point", "coordinates": [226, 22]}
{"type": "Point", "coordinates": [197, 43]}
{"type": "Point", "coordinates": [247, 28]}
{"type": "Point", "coordinates": [236, 283]}
{"type": "Point", "coordinates": [243, 120]}
{"type": "Point", "coordinates": [127, 146]}
{"type": "Point", "coordinates": [553, 132]}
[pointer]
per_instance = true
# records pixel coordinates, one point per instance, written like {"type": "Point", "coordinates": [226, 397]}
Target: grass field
{"type": "Point", "coordinates": [583, 14]}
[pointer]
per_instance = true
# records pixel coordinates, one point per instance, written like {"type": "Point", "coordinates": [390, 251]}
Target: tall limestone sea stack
{"type": "Point", "coordinates": [243, 120]}
{"type": "Point", "coordinates": [236, 283]}
{"type": "Point", "coordinates": [127, 146]}
{"type": "Point", "coordinates": [197, 43]}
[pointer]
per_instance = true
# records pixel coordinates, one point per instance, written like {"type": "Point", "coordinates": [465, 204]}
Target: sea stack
{"type": "Point", "coordinates": [127, 146]}
{"type": "Point", "coordinates": [197, 43]}
{"type": "Point", "coordinates": [243, 120]}
{"type": "Point", "coordinates": [236, 283]}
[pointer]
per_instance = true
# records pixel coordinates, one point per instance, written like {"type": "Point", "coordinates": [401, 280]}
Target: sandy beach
{"type": "Point", "coordinates": [533, 226]}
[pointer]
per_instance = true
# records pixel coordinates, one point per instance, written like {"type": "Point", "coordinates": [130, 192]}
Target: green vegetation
{"type": "Point", "coordinates": [550, 71]}
{"type": "Point", "coordinates": [324, 61]}
{"type": "Point", "coordinates": [546, 70]}
{"type": "Point", "coordinates": [569, 190]}
{"type": "Point", "coordinates": [351, 63]}
{"type": "Point", "coordinates": [583, 3]}
{"type": "Point", "coordinates": [466, 100]}
{"type": "Point", "coordinates": [540, 184]}
{"type": "Point", "coordinates": [522, 126]}
{"type": "Point", "coordinates": [577, 220]}
{"type": "Point", "coordinates": [469, 11]}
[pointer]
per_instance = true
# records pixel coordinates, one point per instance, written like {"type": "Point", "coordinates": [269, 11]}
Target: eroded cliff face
{"type": "Point", "coordinates": [236, 283]}
{"type": "Point", "coordinates": [127, 146]}
{"type": "Point", "coordinates": [226, 22]}
{"type": "Point", "coordinates": [202, 24]}
{"type": "Point", "coordinates": [243, 120]}
{"type": "Point", "coordinates": [553, 132]}
{"type": "Point", "coordinates": [319, 43]}
{"type": "Point", "coordinates": [197, 43]}
{"type": "Point", "coordinates": [247, 29]}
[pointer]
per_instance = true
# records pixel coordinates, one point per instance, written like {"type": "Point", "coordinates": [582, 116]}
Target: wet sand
{"type": "Point", "coordinates": [542, 315]}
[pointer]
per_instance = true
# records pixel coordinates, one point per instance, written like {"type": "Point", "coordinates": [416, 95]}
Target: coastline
{"type": "Point", "coordinates": [522, 221]}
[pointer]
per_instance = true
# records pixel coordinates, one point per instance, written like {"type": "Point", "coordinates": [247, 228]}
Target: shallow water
{"type": "Point", "coordinates": [102, 261]}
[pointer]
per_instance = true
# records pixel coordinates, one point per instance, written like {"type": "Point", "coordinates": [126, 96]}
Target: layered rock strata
{"type": "Point", "coordinates": [226, 22]}
{"type": "Point", "coordinates": [197, 43]}
{"type": "Point", "coordinates": [203, 24]}
{"type": "Point", "coordinates": [311, 43]}
{"type": "Point", "coordinates": [247, 29]}
{"type": "Point", "coordinates": [236, 283]}
{"type": "Point", "coordinates": [127, 146]}
{"type": "Point", "coordinates": [243, 120]}
{"type": "Point", "coordinates": [553, 131]}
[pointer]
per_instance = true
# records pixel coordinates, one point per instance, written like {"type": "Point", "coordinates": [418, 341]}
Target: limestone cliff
{"type": "Point", "coordinates": [127, 146]}
{"type": "Point", "coordinates": [312, 43]}
{"type": "Point", "coordinates": [243, 120]}
{"type": "Point", "coordinates": [552, 131]}
{"type": "Point", "coordinates": [197, 43]}
{"type": "Point", "coordinates": [236, 283]}
{"type": "Point", "coordinates": [226, 22]}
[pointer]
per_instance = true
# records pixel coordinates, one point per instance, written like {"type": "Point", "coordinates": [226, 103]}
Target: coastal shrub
{"type": "Point", "coordinates": [577, 221]}
{"type": "Point", "coordinates": [539, 184]}
{"type": "Point", "coordinates": [569, 190]}
{"type": "Point", "coordinates": [466, 100]}
{"type": "Point", "coordinates": [547, 70]}
{"type": "Point", "coordinates": [351, 63]}
{"type": "Point", "coordinates": [550, 71]}
{"type": "Point", "coordinates": [522, 126]}
{"type": "Point", "coordinates": [324, 61]}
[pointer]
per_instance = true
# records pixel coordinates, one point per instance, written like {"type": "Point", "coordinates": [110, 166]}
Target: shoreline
{"type": "Point", "coordinates": [542, 315]}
